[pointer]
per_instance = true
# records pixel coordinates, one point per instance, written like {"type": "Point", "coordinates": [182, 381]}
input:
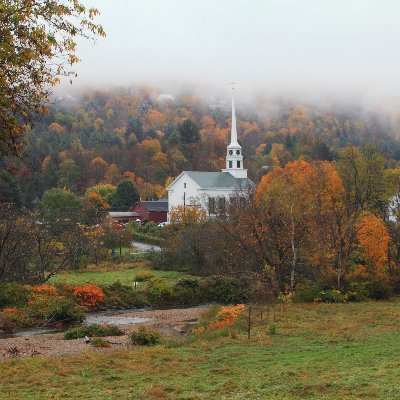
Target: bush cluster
{"type": "Point", "coordinates": [92, 330]}
{"type": "Point", "coordinates": [143, 276]}
{"type": "Point", "coordinates": [32, 305]}
{"type": "Point", "coordinates": [124, 296]}
{"type": "Point", "coordinates": [355, 291]}
{"type": "Point", "coordinates": [145, 337]}
{"type": "Point", "coordinates": [13, 295]}
{"type": "Point", "coordinates": [89, 295]}
{"type": "Point", "coordinates": [188, 290]}
{"type": "Point", "coordinates": [148, 233]}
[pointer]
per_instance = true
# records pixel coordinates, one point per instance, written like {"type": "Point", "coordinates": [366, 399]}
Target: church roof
{"type": "Point", "coordinates": [219, 180]}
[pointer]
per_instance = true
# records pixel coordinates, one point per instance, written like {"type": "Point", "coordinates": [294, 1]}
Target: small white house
{"type": "Point", "coordinates": [211, 190]}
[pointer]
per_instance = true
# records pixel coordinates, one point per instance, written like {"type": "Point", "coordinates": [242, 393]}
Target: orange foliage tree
{"type": "Point", "coordinates": [374, 239]}
{"type": "Point", "coordinates": [187, 215]}
{"type": "Point", "coordinates": [296, 204]}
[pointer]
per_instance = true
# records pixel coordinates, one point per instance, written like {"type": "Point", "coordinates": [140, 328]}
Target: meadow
{"type": "Point", "coordinates": [107, 274]}
{"type": "Point", "coordinates": [319, 351]}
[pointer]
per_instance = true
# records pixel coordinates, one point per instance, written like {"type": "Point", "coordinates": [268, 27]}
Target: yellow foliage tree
{"type": "Point", "coordinates": [374, 238]}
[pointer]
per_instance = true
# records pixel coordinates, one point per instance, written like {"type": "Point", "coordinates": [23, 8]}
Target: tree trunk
{"type": "Point", "coordinates": [294, 251]}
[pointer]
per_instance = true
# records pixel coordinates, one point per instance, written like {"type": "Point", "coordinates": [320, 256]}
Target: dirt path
{"type": "Point", "coordinates": [168, 322]}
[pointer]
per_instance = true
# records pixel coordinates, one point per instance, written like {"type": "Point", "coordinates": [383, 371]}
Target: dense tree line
{"type": "Point", "coordinates": [105, 137]}
{"type": "Point", "coordinates": [328, 223]}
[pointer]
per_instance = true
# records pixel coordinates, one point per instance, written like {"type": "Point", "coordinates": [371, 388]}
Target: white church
{"type": "Point", "coordinates": [212, 190]}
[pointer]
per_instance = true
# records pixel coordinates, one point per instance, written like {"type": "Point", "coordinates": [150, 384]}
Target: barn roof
{"type": "Point", "coordinates": [121, 214]}
{"type": "Point", "coordinates": [159, 205]}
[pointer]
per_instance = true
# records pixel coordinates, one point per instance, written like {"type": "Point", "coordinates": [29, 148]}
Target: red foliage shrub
{"type": "Point", "coordinates": [227, 316]}
{"type": "Point", "coordinates": [89, 295]}
{"type": "Point", "coordinates": [45, 289]}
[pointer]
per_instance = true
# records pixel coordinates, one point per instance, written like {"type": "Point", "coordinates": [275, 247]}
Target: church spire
{"type": "Point", "coordinates": [234, 156]}
{"type": "Point", "coordinates": [234, 142]}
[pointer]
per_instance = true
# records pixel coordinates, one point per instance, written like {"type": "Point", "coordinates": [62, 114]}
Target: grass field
{"type": "Point", "coordinates": [125, 276]}
{"type": "Point", "coordinates": [321, 351]}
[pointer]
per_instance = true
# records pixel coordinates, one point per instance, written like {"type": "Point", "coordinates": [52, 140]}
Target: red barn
{"type": "Point", "coordinates": [154, 211]}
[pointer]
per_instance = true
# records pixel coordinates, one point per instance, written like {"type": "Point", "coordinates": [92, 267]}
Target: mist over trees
{"type": "Point", "coordinates": [107, 136]}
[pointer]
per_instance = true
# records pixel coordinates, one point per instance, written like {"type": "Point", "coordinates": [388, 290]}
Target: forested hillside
{"type": "Point", "coordinates": [106, 136]}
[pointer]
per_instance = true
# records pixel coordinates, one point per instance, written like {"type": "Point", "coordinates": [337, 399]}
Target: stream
{"type": "Point", "coordinates": [111, 317]}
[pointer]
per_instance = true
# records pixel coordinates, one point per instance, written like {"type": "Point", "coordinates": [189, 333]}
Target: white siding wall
{"type": "Point", "coordinates": [193, 194]}
{"type": "Point", "coordinates": [177, 194]}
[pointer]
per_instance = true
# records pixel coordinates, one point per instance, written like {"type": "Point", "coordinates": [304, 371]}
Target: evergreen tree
{"type": "Point", "coordinates": [126, 195]}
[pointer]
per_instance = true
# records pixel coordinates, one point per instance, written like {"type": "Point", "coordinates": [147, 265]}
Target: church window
{"type": "Point", "coordinates": [238, 152]}
{"type": "Point", "coordinates": [236, 202]}
{"type": "Point", "coordinates": [211, 205]}
{"type": "Point", "coordinates": [230, 152]}
{"type": "Point", "coordinates": [230, 164]}
{"type": "Point", "coordinates": [184, 185]}
{"type": "Point", "coordinates": [238, 164]}
{"type": "Point", "coordinates": [221, 205]}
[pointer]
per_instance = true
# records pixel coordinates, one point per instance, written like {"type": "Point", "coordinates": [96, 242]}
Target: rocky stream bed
{"type": "Point", "coordinates": [41, 342]}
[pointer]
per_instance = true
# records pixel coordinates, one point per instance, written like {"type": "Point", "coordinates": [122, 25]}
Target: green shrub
{"type": "Point", "coordinates": [143, 276]}
{"type": "Point", "coordinates": [154, 257]}
{"type": "Point", "coordinates": [159, 292]}
{"type": "Point", "coordinates": [225, 290]}
{"type": "Point", "coordinates": [187, 290]}
{"type": "Point", "coordinates": [271, 329]}
{"type": "Point", "coordinates": [378, 290]}
{"type": "Point", "coordinates": [57, 308]}
{"type": "Point", "coordinates": [145, 337]}
{"type": "Point", "coordinates": [375, 290]}
{"type": "Point", "coordinates": [307, 294]}
{"type": "Point", "coordinates": [332, 296]}
{"type": "Point", "coordinates": [355, 296]}
{"type": "Point", "coordinates": [92, 330]}
{"type": "Point", "coordinates": [356, 292]}
{"type": "Point", "coordinates": [146, 238]}
{"type": "Point", "coordinates": [7, 323]}
{"type": "Point", "coordinates": [13, 295]}
{"type": "Point", "coordinates": [150, 230]}
{"type": "Point", "coordinates": [99, 342]}
{"type": "Point", "coordinates": [124, 258]}
{"type": "Point", "coordinates": [122, 296]}
{"type": "Point", "coordinates": [137, 257]}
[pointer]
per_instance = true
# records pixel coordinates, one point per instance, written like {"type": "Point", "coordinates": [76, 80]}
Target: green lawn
{"type": "Point", "coordinates": [322, 351]}
{"type": "Point", "coordinates": [126, 276]}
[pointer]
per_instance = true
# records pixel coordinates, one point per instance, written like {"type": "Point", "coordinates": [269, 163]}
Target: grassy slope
{"type": "Point", "coordinates": [319, 352]}
{"type": "Point", "coordinates": [124, 275]}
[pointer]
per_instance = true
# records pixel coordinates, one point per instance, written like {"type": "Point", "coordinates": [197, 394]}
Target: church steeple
{"type": "Point", "coordinates": [234, 142]}
{"type": "Point", "coordinates": [234, 156]}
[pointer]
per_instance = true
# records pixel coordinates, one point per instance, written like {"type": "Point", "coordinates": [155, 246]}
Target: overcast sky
{"type": "Point", "coordinates": [329, 47]}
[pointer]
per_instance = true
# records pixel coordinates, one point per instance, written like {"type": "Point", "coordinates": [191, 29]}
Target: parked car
{"type": "Point", "coordinates": [163, 224]}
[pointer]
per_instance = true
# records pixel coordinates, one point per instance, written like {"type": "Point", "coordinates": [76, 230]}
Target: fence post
{"type": "Point", "coordinates": [249, 323]}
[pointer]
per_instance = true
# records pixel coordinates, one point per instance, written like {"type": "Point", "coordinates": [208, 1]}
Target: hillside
{"type": "Point", "coordinates": [105, 136]}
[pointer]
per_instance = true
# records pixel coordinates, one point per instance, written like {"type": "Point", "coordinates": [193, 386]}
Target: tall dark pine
{"type": "Point", "coordinates": [126, 196]}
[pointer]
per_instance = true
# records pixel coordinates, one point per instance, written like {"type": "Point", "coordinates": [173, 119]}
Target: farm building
{"type": "Point", "coordinates": [154, 211]}
{"type": "Point", "coordinates": [122, 217]}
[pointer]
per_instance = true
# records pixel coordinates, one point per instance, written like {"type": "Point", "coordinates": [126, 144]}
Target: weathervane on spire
{"type": "Point", "coordinates": [232, 83]}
